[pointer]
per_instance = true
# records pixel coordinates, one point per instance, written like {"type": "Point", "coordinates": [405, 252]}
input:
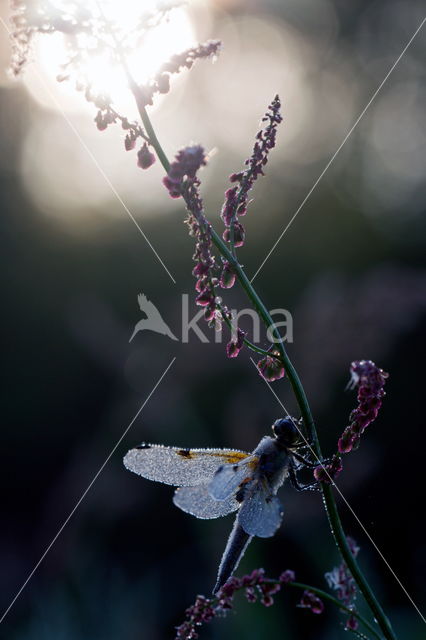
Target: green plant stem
{"type": "Point", "coordinates": [329, 502]}
{"type": "Point", "coordinates": [268, 322]}
{"type": "Point", "coordinates": [147, 122]}
{"type": "Point", "coordinates": [330, 505]}
{"type": "Point", "coordinates": [340, 537]}
{"type": "Point", "coordinates": [231, 327]}
{"type": "Point", "coordinates": [326, 596]}
{"type": "Point", "coordinates": [247, 342]}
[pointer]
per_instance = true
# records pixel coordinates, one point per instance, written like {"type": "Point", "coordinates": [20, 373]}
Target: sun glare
{"type": "Point", "coordinates": [172, 35]}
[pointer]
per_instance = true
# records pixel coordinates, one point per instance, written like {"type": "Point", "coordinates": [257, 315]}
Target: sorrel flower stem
{"type": "Point", "coordinates": [352, 564]}
{"type": "Point", "coordinates": [246, 341]}
{"type": "Point", "coordinates": [268, 322]}
{"type": "Point", "coordinates": [148, 126]}
{"type": "Point", "coordinates": [259, 588]}
{"type": "Point", "coordinates": [324, 595]}
{"type": "Point", "coordinates": [329, 501]}
{"type": "Point", "coordinates": [291, 372]}
{"type": "Point", "coordinates": [298, 390]}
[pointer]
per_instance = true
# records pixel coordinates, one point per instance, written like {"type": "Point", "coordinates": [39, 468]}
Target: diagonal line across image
{"type": "Point", "coordinates": [339, 148]}
{"type": "Point", "coordinates": [114, 191]}
{"type": "Point", "coordinates": [345, 501]}
{"type": "Point", "coordinates": [85, 492]}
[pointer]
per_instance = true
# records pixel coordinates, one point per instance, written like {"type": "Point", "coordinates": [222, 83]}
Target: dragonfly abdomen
{"type": "Point", "coordinates": [234, 551]}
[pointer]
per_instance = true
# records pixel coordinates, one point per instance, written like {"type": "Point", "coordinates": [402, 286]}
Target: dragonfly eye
{"type": "Point", "coordinates": [286, 431]}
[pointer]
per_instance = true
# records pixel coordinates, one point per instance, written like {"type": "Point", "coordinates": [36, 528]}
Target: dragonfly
{"type": "Point", "coordinates": [216, 482]}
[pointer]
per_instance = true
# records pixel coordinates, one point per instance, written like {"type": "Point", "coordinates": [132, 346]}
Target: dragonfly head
{"type": "Point", "coordinates": [286, 432]}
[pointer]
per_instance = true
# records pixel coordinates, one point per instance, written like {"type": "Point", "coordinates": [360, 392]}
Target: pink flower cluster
{"type": "Point", "coordinates": [236, 197]}
{"type": "Point", "coordinates": [161, 82]}
{"type": "Point", "coordinates": [29, 19]}
{"type": "Point", "coordinates": [227, 277]}
{"type": "Point", "coordinates": [145, 157]}
{"type": "Point", "coordinates": [271, 368]}
{"type": "Point", "coordinates": [181, 181]}
{"type": "Point", "coordinates": [185, 166]}
{"type": "Point", "coordinates": [342, 581]}
{"type": "Point", "coordinates": [370, 381]}
{"type": "Point", "coordinates": [106, 115]}
{"type": "Point", "coordinates": [235, 345]}
{"type": "Point", "coordinates": [255, 586]}
{"type": "Point", "coordinates": [328, 472]}
{"type": "Point", "coordinates": [311, 601]}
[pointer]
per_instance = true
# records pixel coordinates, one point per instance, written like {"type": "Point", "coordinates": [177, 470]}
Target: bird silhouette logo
{"type": "Point", "coordinates": [153, 320]}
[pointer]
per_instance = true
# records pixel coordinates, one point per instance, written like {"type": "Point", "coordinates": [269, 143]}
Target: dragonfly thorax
{"type": "Point", "coordinates": [274, 460]}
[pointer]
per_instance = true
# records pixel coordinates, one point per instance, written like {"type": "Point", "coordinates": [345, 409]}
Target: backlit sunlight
{"type": "Point", "coordinates": [144, 53]}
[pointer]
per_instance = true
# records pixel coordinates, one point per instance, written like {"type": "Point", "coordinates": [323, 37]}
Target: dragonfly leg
{"type": "Point", "coordinates": [309, 463]}
{"type": "Point", "coordinates": [311, 486]}
{"type": "Point", "coordinates": [303, 460]}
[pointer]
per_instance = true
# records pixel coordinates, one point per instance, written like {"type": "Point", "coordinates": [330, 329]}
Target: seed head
{"type": "Point", "coordinates": [271, 368]}
{"type": "Point", "coordinates": [145, 158]}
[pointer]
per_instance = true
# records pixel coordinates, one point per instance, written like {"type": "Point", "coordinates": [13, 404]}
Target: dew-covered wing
{"type": "Point", "coordinates": [229, 478]}
{"type": "Point", "coordinates": [180, 467]}
{"type": "Point", "coordinates": [261, 512]}
{"type": "Point", "coordinates": [198, 502]}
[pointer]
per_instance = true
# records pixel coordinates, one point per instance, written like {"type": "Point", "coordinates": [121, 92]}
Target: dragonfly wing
{"type": "Point", "coordinates": [198, 502]}
{"type": "Point", "coordinates": [179, 467]}
{"type": "Point", "coordinates": [261, 512]}
{"type": "Point", "coordinates": [230, 477]}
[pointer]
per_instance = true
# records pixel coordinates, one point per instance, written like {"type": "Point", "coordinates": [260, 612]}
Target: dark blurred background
{"type": "Point", "coordinates": [351, 269]}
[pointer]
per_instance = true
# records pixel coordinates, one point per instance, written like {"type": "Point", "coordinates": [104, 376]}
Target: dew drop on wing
{"type": "Point", "coordinates": [261, 512]}
{"type": "Point", "coordinates": [229, 477]}
{"type": "Point", "coordinates": [178, 466]}
{"type": "Point", "coordinates": [198, 502]}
